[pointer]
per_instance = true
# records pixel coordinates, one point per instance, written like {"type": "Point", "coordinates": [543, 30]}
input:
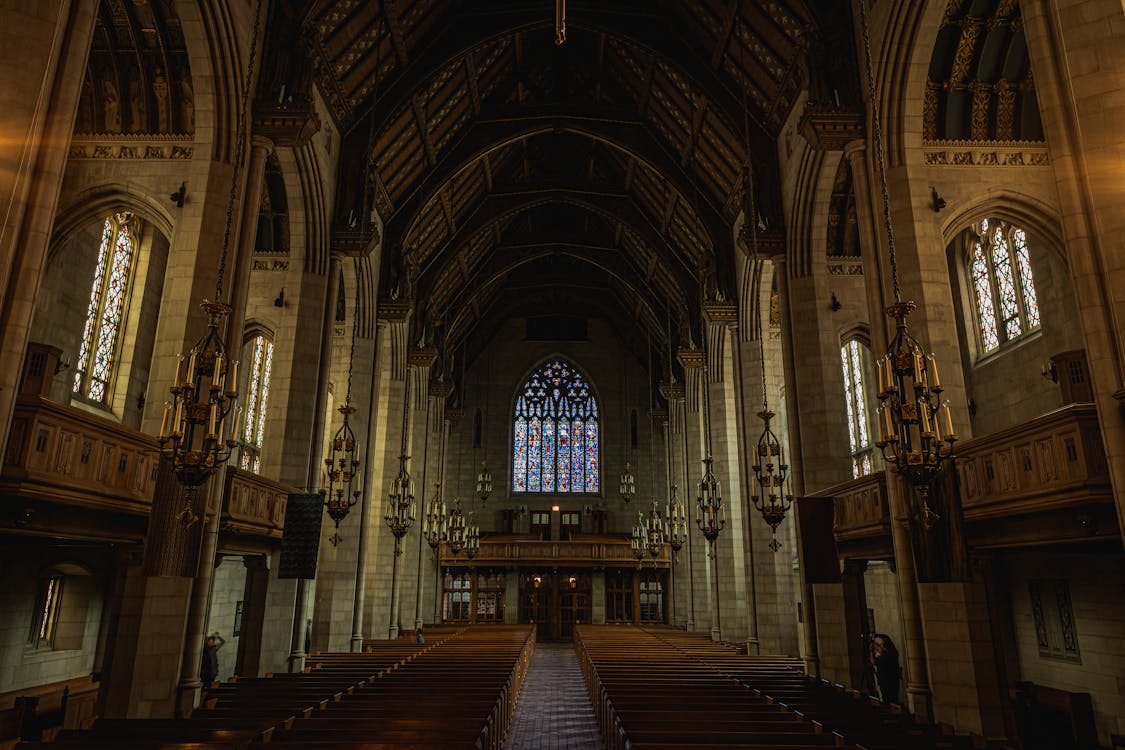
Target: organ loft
{"type": "Point", "coordinates": [508, 374]}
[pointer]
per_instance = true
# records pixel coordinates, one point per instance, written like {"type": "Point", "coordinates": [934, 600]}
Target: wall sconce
{"type": "Point", "coordinates": [835, 304]}
{"type": "Point", "coordinates": [1051, 372]}
{"type": "Point", "coordinates": [537, 580]}
{"type": "Point", "coordinates": [937, 203]}
{"type": "Point", "coordinates": [280, 301]}
{"type": "Point", "coordinates": [555, 508]}
{"type": "Point", "coordinates": [179, 196]}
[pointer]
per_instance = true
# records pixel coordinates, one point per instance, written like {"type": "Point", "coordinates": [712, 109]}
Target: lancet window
{"type": "Point", "coordinates": [853, 360]}
{"type": "Point", "coordinates": [258, 353]}
{"type": "Point", "coordinates": [1007, 305]}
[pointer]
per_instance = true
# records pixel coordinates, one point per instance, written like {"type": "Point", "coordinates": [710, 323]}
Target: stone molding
{"type": "Point", "coordinates": [138, 146]}
{"type": "Point", "coordinates": [985, 154]}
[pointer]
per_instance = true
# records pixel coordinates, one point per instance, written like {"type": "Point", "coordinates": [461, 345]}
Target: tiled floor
{"type": "Point", "coordinates": [554, 711]}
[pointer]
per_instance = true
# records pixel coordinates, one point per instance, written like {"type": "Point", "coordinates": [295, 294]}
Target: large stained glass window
{"type": "Point", "coordinates": [259, 353]}
{"type": "Point", "coordinates": [853, 359]}
{"type": "Point", "coordinates": [97, 351]}
{"type": "Point", "coordinates": [555, 432]}
{"type": "Point", "coordinates": [1003, 283]}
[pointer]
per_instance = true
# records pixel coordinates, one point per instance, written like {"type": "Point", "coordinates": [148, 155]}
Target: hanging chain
{"type": "Point", "coordinates": [651, 439]}
{"type": "Point", "coordinates": [239, 149]}
{"type": "Point", "coordinates": [880, 154]}
{"type": "Point", "coordinates": [355, 327]}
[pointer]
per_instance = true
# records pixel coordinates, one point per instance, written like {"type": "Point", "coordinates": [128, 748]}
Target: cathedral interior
{"type": "Point", "coordinates": [655, 374]}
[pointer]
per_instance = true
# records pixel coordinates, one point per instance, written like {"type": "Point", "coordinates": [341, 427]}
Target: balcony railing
{"type": "Point", "coordinates": [535, 552]}
{"type": "Point", "coordinates": [1050, 462]}
{"type": "Point", "coordinates": [61, 454]}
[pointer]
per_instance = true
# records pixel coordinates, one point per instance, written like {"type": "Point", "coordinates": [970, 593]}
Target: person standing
{"type": "Point", "coordinates": [209, 669]}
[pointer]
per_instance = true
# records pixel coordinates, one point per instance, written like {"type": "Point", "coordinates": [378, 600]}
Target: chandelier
{"type": "Point", "coordinates": [195, 435]}
{"type": "Point", "coordinates": [655, 532]}
{"type": "Point", "coordinates": [628, 486]}
{"type": "Point", "coordinates": [915, 427]}
{"type": "Point", "coordinates": [638, 541]}
{"type": "Point", "coordinates": [677, 522]}
{"type": "Point", "coordinates": [457, 529]}
{"type": "Point", "coordinates": [343, 461]}
{"type": "Point", "coordinates": [710, 513]}
{"type": "Point", "coordinates": [472, 536]}
{"type": "Point", "coordinates": [434, 523]}
{"type": "Point", "coordinates": [484, 482]}
{"type": "Point", "coordinates": [400, 513]}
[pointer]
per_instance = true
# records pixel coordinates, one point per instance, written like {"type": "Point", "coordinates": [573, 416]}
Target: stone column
{"type": "Point", "coordinates": [597, 597]}
{"type": "Point", "coordinates": [796, 464]}
{"type": "Point", "coordinates": [918, 692]}
{"type": "Point", "coordinates": [46, 46]}
{"type": "Point", "coordinates": [248, 662]}
{"type": "Point", "coordinates": [745, 441]}
{"type": "Point", "coordinates": [316, 456]}
{"type": "Point", "coordinates": [370, 487]}
{"type": "Point", "coordinates": [873, 270]}
{"type": "Point", "coordinates": [429, 422]}
{"type": "Point", "coordinates": [1079, 67]}
{"type": "Point", "coordinates": [239, 278]}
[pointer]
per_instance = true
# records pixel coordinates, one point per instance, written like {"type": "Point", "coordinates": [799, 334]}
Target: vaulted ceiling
{"type": "Point", "coordinates": [614, 161]}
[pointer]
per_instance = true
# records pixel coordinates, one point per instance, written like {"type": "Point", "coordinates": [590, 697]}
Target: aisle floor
{"type": "Point", "coordinates": [554, 710]}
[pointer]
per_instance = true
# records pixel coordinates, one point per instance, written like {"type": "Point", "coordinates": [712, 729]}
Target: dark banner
{"type": "Point", "coordinates": [815, 519]}
{"type": "Point", "coordinates": [300, 541]}
{"type": "Point", "coordinates": [939, 551]}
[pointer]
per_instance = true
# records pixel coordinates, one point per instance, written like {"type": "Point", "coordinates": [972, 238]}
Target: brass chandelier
{"type": "Point", "coordinates": [341, 466]}
{"type": "Point", "coordinates": [401, 508]}
{"type": "Point", "coordinates": [915, 427]}
{"type": "Point", "coordinates": [195, 434]}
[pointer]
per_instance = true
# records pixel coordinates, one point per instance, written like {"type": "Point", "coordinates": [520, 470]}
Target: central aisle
{"type": "Point", "coordinates": [554, 711]}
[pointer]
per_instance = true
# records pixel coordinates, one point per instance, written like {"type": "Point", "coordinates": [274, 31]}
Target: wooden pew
{"type": "Point", "coordinates": [648, 695]}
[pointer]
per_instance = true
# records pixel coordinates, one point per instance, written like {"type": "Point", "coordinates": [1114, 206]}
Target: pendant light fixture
{"type": "Point", "coordinates": [400, 513]}
{"type": "Point", "coordinates": [915, 427]}
{"type": "Point", "coordinates": [677, 520]}
{"type": "Point", "coordinates": [710, 513]}
{"type": "Point", "coordinates": [655, 532]}
{"type": "Point", "coordinates": [343, 461]}
{"type": "Point", "coordinates": [627, 487]}
{"type": "Point", "coordinates": [456, 525]}
{"type": "Point", "coordinates": [770, 497]}
{"type": "Point", "coordinates": [434, 524]}
{"type": "Point", "coordinates": [484, 476]}
{"type": "Point", "coordinates": [195, 434]}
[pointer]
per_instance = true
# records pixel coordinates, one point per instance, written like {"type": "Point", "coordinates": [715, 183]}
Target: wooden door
{"type": "Point", "coordinates": [574, 608]}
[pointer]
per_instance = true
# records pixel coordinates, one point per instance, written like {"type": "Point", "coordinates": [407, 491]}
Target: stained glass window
{"type": "Point", "coordinates": [253, 428]}
{"type": "Point", "coordinates": [1003, 284]}
{"type": "Point", "coordinates": [853, 358]}
{"type": "Point", "coordinates": [556, 435]}
{"type": "Point", "coordinates": [97, 351]}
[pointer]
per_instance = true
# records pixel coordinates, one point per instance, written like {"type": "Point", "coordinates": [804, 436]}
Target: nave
{"type": "Point", "coordinates": [493, 687]}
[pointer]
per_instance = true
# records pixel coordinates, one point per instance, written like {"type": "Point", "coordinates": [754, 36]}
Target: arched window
{"type": "Point", "coordinates": [853, 358]}
{"type": "Point", "coordinates": [1003, 285]}
{"type": "Point", "coordinates": [259, 353]}
{"type": "Point", "coordinates": [555, 432]}
{"type": "Point", "coordinates": [97, 353]}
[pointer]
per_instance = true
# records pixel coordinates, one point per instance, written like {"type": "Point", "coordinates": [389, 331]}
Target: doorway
{"type": "Point", "coordinates": [555, 602]}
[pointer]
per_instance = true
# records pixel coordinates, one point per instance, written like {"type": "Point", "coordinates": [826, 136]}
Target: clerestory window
{"type": "Point", "coordinates": [1007, 306]}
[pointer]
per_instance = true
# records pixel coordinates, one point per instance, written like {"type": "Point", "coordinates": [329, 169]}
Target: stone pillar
{"type": "Point", "coordinates": [597, 597]}
{"type": "Point", "coordinates": [260, 148]}
{"type": "Point", "coordinates": [367, 500]}
{"type": "Point", "coordinates": [249, 660]}
{"type": "Point", "coordinates": [855, 619]}
{"type": "Point", "coordinates": [511, 596]}
{"type": "Point", "coordinates": [1079, 67]}
{"type": "Point", "coordinates": [316, 456]}
{"type": "Point", "coordinates": [873, 269]}
{"type": "Point", "coordinates": [46, 46]}
{"type": "Point", "coordinates": [432, 408]}
{"type": "Point", "coordinates": [149, 646]}
{"type": "Point", "coordinates": [918, 695]}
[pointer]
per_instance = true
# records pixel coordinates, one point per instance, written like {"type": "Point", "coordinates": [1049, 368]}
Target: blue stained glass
{"type": "Point", "coordinates": [519, 461]}
{"type": "Point", "coordinates": [549, 455]}
{"type": "Point", "coordinates": [564, 456]}
{"type": "Point", "coordinates": [534, 454]}
{"type": "Point", "coordinates": [555, 440]}
{"type": "Point", "coordinates": [591, 456]}
{"type": "Point", "coordinates": [577, 461]}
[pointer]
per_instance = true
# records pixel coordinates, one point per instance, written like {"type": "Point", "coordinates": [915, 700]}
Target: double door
{"type": "Point", "coordinates": [555, 602]}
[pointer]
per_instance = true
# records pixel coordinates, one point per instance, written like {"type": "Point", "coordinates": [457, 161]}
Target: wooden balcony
{"type": "Point", "coordinates": [1044, 480]}
{"type": "Point", "coordinates": [254, 504]}
{"type": "Point", "coordinates": [62, 455]}
{"type": "Point", "coordinates": [862, 516]}
{"type": "Point", "coordinates": [607, 552]}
